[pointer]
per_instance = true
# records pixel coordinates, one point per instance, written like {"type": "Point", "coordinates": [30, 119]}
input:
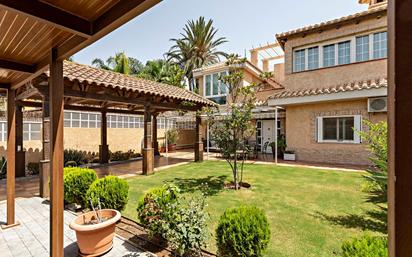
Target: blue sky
{"type": "Point", "coordinates": [245, 23]}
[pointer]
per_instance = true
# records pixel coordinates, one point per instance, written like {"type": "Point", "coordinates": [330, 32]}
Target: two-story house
{"type": "Point", "coordinates": [334, 78]}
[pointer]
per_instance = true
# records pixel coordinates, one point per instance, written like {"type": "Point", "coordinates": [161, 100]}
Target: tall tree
{"type": "Point", "coordinates": [196, 47]}
{"type": "Point", "coordinates": [162, 71]}
{"type": "Point", "coordinates": [119, 63]}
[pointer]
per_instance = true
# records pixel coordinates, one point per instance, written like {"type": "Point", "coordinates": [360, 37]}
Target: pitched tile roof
{"type": "Point", "coordinates": [94, 76]}
{"type": "Point", "coordinates": [331, 22]}
{"type": "Point", "coordinates": [354, 86]}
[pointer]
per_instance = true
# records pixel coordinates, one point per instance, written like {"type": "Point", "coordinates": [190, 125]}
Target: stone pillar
{"type": "Point", "coordinates": [103, 148]}
{"type": "Point", "coordinates": [155, 143]}
{"type": "Point", "coordinates": [148, 153]}
{"type": "Point", "coordinates": [45, 161]}
{"type": "Point", "coordinates": [20, 153]}
{"type": "Point", "coordinates": [199, 142]}
{"type": "Point", "coordinates": [254, 59]}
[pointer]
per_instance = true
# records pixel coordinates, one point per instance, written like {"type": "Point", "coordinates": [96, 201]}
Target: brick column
{"type": "Point", "coordinates": [148, 153]}
{"type": "Point", "coordinates": [103, 148]}
{"type": "Point", "coordinates": [155, 143]}
{"type": "Point", "coordinates": [199, 142]}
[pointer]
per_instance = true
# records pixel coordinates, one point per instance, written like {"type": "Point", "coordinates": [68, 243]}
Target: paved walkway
{"type": "Point", "coordinates": [31, 238]}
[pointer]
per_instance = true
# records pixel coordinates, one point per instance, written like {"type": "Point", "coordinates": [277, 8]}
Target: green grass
{"type": "Point", "coordinates": [311, 212]}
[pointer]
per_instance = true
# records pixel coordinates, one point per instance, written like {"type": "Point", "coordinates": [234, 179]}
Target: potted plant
{"type": "Point", "coordinates": [289, 155]}
{"type": "Point", "coordinates": [95, 231]}
{"type": "Point", "coordinates": [172, 137]}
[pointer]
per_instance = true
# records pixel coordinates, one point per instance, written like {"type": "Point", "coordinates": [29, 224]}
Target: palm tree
{"type": "Point", "coordinates": [196, 48]}
{"type": "Point", "coordinates": [162, 71]}
{"type": "Point", "coordinates": [119, 63]}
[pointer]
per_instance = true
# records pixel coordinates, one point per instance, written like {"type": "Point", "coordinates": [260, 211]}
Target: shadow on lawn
{"type": "Point", "coordinates": [210, 185]}
{"type": "Point", "coordinates": [371, 220]}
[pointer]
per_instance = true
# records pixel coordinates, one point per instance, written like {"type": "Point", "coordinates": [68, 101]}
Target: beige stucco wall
{"type": "Point", "coordinates": [336, 75]}
{"type": "Point", "coordinates": [301, 132]}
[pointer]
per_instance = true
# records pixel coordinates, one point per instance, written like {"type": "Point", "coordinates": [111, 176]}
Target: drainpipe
{"type": "Point", "coordinates": [166, 129]}
{"type": "Point", "coordinates": [207, 139]}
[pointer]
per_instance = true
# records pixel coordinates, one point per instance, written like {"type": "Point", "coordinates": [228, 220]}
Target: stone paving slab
{"type": "Point", "coordinates": [31, 238]}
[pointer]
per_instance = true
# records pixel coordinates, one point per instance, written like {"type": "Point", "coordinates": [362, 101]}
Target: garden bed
{"type": "Point", "coordinates": [139, 236]}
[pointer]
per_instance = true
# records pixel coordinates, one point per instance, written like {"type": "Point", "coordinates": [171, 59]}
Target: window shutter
{"type": "Point", "coordinates": [319, 129]}
{"type": "Point", "coordinates": [357, 129]}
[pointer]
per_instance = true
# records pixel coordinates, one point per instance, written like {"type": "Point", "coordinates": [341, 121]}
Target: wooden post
{"type": "Point", "coordinates": [56, 161]}
{"type": "Point", "coordinates": [103, 148]}
{"type": "Point", "coordinates": [148, 154]}
{"type": "Point", "coordinates": [11, 158]}
{"type": "Point", "coordinates": [20, 153]}
{"type": "Point", "coordinates": [45, 162]}
{"type": "Point", "coordinates": [199, 142]}
{"type": "Point", "coordinates": [155, 143]}
{"type": "Point", "coordinates": [399, 125]}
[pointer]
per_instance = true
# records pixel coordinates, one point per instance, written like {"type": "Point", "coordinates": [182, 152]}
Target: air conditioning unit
{"type": "Point", "coordinates": [378, 104]}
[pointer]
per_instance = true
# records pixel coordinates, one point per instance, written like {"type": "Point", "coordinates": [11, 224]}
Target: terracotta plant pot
{"type": "Point", "coordinates": [95, 239]}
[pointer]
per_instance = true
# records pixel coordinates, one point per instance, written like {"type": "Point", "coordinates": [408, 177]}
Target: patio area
{"type": "Point", "coordinates": [31, 238]}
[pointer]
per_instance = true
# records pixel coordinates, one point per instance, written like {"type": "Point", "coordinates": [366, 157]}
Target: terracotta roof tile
{"type": "Point", "coordinates": [83, 73]}
{"type": "Point", "coordinates": [331, 22]}
{"type": "Point", "coordinates": [354, 86]}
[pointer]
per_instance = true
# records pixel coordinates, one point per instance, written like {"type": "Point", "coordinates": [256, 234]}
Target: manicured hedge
{"type": "Point", "coordinates": [111, 191]}
{"type": "Point", "coordinates": [366, 246]}
{"type": "Point", "coordinates": [76, 183]}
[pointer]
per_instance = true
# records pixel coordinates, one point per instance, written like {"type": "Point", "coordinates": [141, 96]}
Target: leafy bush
{"type": "Point", "coordinates": [181, 222]}
{"type": "Point", "coordinates": [73, 156]}
{"type": "Point", "coordinates": [366, 246]}
{"type": "Point", "coordinates": [151, 208]}
{"type": "Point", "coordinates": [242, 231]}
{"type": "Point", "coordinates": [33, 168]}
{"type": "Point", "coordinates": [172, 136]}
{"type": "Point", "coordinates": [376, 136]}
{"type": "Point", "coordinates": [76, 183]}
{"type": "Point", "coordinates": [3, 168]}
{"type": "Point", "coordinates": [123, 156]}
{"type": "Point", "coordinates": [111, 191]}
{"type": "Point", "coordinates": [185, 226]}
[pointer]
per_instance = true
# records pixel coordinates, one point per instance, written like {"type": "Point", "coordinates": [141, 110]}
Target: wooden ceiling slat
{"type": "Point", "coordinates": [49, 14]}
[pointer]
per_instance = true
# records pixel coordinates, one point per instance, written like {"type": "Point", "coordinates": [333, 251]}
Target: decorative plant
{"type": "Point", "coordinates": [376, 136]}
{"type": "Point", "coordinates": [366, 246]}
{"type": "Point", "coordinates": [74, 156]}
{"type": "Point", "coordinates": [112, 192]}
{"type": "Point", "coordinates": [281, 144]}
{"type": "Point", "coordinates": [172, 136]}
{"type": "Point", "coordinates": [242, 231]}
{"type": "Point", "coordinates": [76, 183]}
{"type": "Point", "coordinates": [182, 222]}
{"type": "Point", "coordinates": [33, 168]}
{"type": "Point", "coordinates": [232, 131]}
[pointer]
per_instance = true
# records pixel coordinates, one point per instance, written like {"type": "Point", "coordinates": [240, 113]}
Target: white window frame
{"type": "Point", "coordinates": [357, 119]}
{"type": "Point", "coordinates": [352, 40]}
{"type": "Point", "coordinates": [30, 123]}
{"type": "Point", "coordinates": [220, 94]}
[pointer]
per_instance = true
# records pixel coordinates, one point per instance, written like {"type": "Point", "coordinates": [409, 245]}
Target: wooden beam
{"type": "Point", "coordinates": [155, 144]}
{"type": "Point", "coordinates": [11, 157]}
{"type": "Point", "coordinates": [51, 15]}
{"type": "Point", "coordinates": [274, 58]}
{"type": "Point", "coordinates": [199, 142]}
{"type": "Point", "coordinates": [399, 124]}
{"type": "Point", "coordinates": [103, 148]}
{"type": "Point", "coordinates": [17, 66]}
{"type": "Point", "coordinates": [27, 94]}
{"type": "Point", "coordinates": [268, 46]}
{"type": "Point", "coordinates": [56, 156]}
{"type": "Point", "coordinates": [148, 154]}
{"type": "Point", "coordinates": [45, 161]}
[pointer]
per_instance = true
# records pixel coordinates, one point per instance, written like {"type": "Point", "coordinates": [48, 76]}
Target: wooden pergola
{"type": "Point", "coordinates": [36, 36]}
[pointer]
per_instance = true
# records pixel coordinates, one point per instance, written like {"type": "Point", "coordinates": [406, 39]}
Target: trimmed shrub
{"type": "Point", "coordinates": [76, 183]}
{"type": "Point", "coordinates": [151, 208]}
{"type": "Point", "coordinates": [112, 192]}
{"type": "Point", "coordinates": [33, 168]}
{"type": "Point", "coordinates": [366, 246]}
{"type": "Point", "coordinates": [242, 231]}
{"type": "Point", "coordinates": [72, 157]}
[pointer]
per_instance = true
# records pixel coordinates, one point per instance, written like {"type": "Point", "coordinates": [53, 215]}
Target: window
{"type": "Point", "coordinates": [339, 129]}
{"type": "Point", "coordinates": [31, 131]}
{"type": "Point", "coordinates": [328, 55]}
{"type": "Point", "coordinates": [362, 48]}
{"type": "Point", "coordinates": [215, 89]}
{"type": "Point", "coordinates": [299, 60]}
{"type": "Point", "coordinates": [344, 52]}
{"type": "Point", "coordinates": [380, 45]}
{"type": "Point", "coordinates": [3, 131]}
{"type": "Point", "coordinates": [313, 58]}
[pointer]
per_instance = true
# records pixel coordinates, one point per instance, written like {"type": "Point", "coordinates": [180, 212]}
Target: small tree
{"type": "Point", "coordinates": [377, 138]}
{"type": "Point", "coordinates": [232, 131]}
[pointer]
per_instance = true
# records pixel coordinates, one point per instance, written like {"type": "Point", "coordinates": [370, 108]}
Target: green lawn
{"type": "Point", "coordinates": [310, 211]}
